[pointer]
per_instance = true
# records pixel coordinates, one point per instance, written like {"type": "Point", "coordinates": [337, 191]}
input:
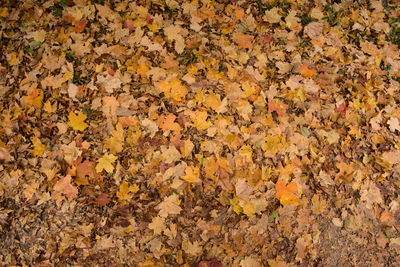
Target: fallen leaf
{"type": "Point", "coordinates": [106, 163]}
{"type": "Point", "coordinates": [125, 191]}
{"type": "Point", "coordinates": [169, 206]}
{"type": "Point", "coordinates": [65, 187]}
{"type": "Point", "coordinates": [77, 122]}
{"type": "Point", "coordinates": [285, 193]}
{"type": "Point", "coordinates": [35, 98]}
{"type": "Point", "coordinates": [306, 72]}
{"type": "Point", "coordinates": [157, 225]}
{"type": "Point", "coordinates": [192, 174]}
{"type": "Point", "coordinates": [173, 89]}
{"type": "Point", "coordinates": [38, 147]}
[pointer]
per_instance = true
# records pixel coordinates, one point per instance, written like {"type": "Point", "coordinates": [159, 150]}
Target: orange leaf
{"type": "Point", "coordinates": [306, 72]}
{"type": "Point", "coordinates": [84, 171]}
{"type": "Point", "coordinates": [128, 121]}
{"type": "Point", "coordinates": [275, 105]}
{"type": "Point", "coordinates": [285, 193]}
{"type": "Point", "coordinates": [173, 89]}
{"type": "Point", "coordinates": [35, 98]}
{"type": "Point", "coordinates": [243, 40]}
{"type": "Point", "coordinates": [65, 187]}
{"type": "Point", "coordinates": [385, 216]}
{"type": "Point", "coordinates": [80, 25]}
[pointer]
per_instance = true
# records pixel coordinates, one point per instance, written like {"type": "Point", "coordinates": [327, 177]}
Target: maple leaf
{"type": "Point", "coordinates": [277, 106]}
{"type": "Point", "coordinates": [243, 40]}
{"type": "Point", "coordinates": [84, 171]}
{"type": "Point", "coordinates": [30, 190]}
{"type": "Point", "coordinates": [65, 187]}
{"type": "Point", "coordinates": [199, 119]}
{"type": "Point", "coordinates": [157, 225]}
{"type": "Point", "coordinates": [35, 98]}
{"type": "Point", "coordinates": [192, 174]}
{"type": "Point", "coordinates": [115, 142]}
{"type": "Point", "coordinates": [393, 124]}
{"type": "Point", "coordinates": [172, 33]}
{"type": "Point", "coordinates": [250, 262]}
{"type": "Point", "coordinates": [106, 163]}
{"type": "Point", "coordinates": [126, 191]}
{"type": "Point", "coordinates": [285, 193]}
{"type": "Point", "coordinates": [319, 205]}
{"type": "Point", "coordinates": [38, 147]}
{"type": "Point", "coordinates": [77, 122]}
{"type": "Point", "coordinates": [13, 59]}
{"type": "Point", "coordinates": [103, 200]}
{"type": "Point", "coordinates": [190, 248]}
{"type": "Point", "coordinates": [5, 155]}
{"type": "Point", "coordinates": [128, 121]}
{"type": "Point", "coordinates": [306, 72]}
{"type": "Point", "coordinates": [168, 124]}
{"type": "Point", "coordinates": [249, 209]}
{"type": "Point", "coordinates": [272, 145]}
{"type": "Point", "coordinates": [170, 205]}
{"type": "Point", "coordinates": [173, 89]}
{"type": "Point", "coordinates": [104, 11]}
{"type": "Point", "coordinates": [80, 25]}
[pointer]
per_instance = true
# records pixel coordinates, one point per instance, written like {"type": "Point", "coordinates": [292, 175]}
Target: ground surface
{"type": "Point", "coordinates": [202, 133]}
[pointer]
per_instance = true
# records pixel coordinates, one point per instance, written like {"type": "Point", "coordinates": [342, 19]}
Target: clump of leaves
{"type": "Point", "coordinates": [78, 79]}
{"type": "Point", "coordinates": [58, 7]}
{"type": "Point", "coordinates": [394, 35]}
{"type": "Point", "coordinates": [187, 57]}
{"type": "Point", "coordinates": [332, 15]}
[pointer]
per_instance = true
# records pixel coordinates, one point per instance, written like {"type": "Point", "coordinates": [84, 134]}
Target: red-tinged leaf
{"type": "Point", "coordinates": [342, 109]}
{"type": "Point", "coordinates": [267, 38]}
{"type": "Point", "coordinates": [85, 171]}
{"type": "Point", "coordinates": [111, 72]}
{"type": "Point", "coordinates": [149, 19]}
{"type": "Point", "coordinates": [130, 25]}
{"type": "Point", "coordinates": [211, 263]}
{"type": "Point", "coordinates": [65, 187]}
{"type": "Point", "coordinates": [277, 106]}
{"type": "Point", "coordinates": [103, 200]}
{"type": "Point", "coordinates": [80, 25]}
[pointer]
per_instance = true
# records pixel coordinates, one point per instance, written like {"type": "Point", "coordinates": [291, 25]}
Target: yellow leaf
{"type": "Point", "coordinates": [272, 145]}
{"type": "Point", "coordinates": [249, 209]}
{"type": "Point", "coordinates": [247, 152]}
{"type": "Point", "coordinates": [126, 191]}
{"type": "Point", "coordinates": [4, 12]}
{"type": "Point", "coordinates": [13, 59]}
{"type": "Point", "coordinates": [192, 174]}
{"type": "Point", "coordinates": [39, 36]}
{"type": "Point", "coordinates": [48, 107]}
{"type": "Point", "coordinates": [77, 122]}
{"type": "Point", "coordinates": [142, 70]}
{"type": "Point", "coordinates": [68, 76]}
{"type": "Point", "coordinates": [35, 98]}
{"type": "Point", "coordinates": [115, 142]}
{"type": "Point", "coordinates": [200, 120]}
{"type": "Point", "coordinates": [236, 207]}
{"type": "Point", "coordinates": [106, 163]}
{"type": "Point", "coordinates": [212, 101]}
{"type": "Point", "coordinates": [38, 147]}
{"type": "Point", "coordinates": [173, 89]}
